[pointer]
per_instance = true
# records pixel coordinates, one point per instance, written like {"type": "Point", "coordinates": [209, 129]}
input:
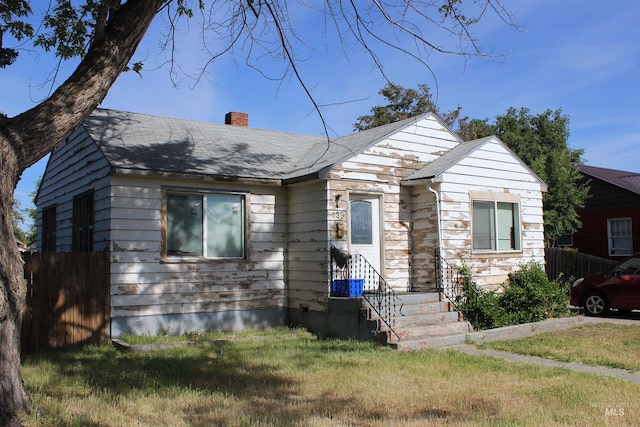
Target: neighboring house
{"type": "Point", "coordinates": [213, 226]}
{"type": "Point", "coordinates": [611, 216]}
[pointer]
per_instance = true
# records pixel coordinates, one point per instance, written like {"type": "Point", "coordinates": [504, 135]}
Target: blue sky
{"type": "Point", "coordinates": [582, 56]}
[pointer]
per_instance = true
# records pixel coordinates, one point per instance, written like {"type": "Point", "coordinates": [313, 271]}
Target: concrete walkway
{"type": "Point", "coordinates": [522, 331]}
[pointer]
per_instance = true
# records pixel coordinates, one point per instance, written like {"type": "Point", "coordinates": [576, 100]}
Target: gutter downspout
{"type": "Point", "coordinates": [439, 229]}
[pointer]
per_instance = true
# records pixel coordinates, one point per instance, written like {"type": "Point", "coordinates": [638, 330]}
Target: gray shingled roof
{"type": "Point", "coordinates": [448, 159]}
{"type": "Point", "coordinates": [457, 153]}
{"type": "Point", "coordinates": [147, 144]}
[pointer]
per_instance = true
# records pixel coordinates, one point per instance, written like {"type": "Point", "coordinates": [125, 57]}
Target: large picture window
{"type": "Point", "coordinates": [620, 236]}
{"type": "Point", "coordinates": [496, 226]}
{"type": "Point", "coordinates": [208, 225]}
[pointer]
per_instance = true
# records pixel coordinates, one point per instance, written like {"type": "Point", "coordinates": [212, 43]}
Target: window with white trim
{"type": "Point", "coordinates": [496, 226]}
{"type": "Point", "coordinates": [619, 236]}
{"type": "Point", "coordinates": [207, 225]}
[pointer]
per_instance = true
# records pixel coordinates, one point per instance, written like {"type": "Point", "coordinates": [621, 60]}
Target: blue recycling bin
{"type": "Point", "coordinates": [351, 288]}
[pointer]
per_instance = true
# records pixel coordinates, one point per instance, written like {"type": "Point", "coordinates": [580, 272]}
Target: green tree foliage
{"type": "Point", "coordinates": [541, 142]}
{"type": "Point", "coordinates": [12, 13]}
{"type": "Point", "coordinates": [19, 215]}
{"type": "Point", "coordinates": [402, 104]}
{"type": "Point", "coordinates": [471, 129]}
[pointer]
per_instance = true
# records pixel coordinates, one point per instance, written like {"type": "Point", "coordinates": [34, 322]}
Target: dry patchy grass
{"type": "Point", "coordinates": [615, 346]}
{"type": "Point", "coordinates": [309, 382]}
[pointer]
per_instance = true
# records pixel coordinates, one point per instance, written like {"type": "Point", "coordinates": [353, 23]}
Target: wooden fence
{"type": "Point", "coordinates": [67, 300]}
{"type": "Point", "coordinates": [573, 264]}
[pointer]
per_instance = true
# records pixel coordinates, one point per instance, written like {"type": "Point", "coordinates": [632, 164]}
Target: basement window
{"type": "Point", "coordinates": [205, 225]}
{"type": "Point", "coordinates": [496, 226]}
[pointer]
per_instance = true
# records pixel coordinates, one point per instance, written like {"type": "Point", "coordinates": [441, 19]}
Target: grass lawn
{"type": "Point", "coordinates": [304, 381]}
{"type": "Point", "coordinates": [615, 346]}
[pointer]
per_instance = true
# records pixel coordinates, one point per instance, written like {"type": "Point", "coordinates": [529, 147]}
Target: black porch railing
{"type": "Point", "coordinates": [449, 281]}
{"type": "Point", "coordinates": [355, 270]}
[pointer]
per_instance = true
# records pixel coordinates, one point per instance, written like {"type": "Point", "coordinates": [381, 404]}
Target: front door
{"type": "Point", "coordinates": [364, 230]}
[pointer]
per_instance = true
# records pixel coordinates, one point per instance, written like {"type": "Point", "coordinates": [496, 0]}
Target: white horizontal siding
{"type": "Point", "coordinates": [308, 246]}
{"type": "Point", "coordinates": [292, 228]}
{"type": "Point", "coordinates": [494, 170]}
{"type": "Point", "coordinates": [143, 285]}
{"type": "Point", "coordinates": [213, 304]}
{"type": "Point", "coordinates": [75, 167]}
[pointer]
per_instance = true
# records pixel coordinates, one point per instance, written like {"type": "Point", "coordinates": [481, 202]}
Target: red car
{"type": "Point", "coordinates": [619, 289]}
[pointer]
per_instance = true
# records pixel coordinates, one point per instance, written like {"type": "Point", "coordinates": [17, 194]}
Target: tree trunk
{"type": "Point", "coordinates": [13, 398]}
{"type": "Point", "coordinates": [28, 137]}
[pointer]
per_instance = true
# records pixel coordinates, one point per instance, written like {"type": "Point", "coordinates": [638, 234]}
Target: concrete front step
{"type": "Point", "coordinates": [414, 304]}
{"type": "Point", "coordinates": [421, 319]}
{"type": "Point", "coordinates": [409, 298]}
{"type": "Point", "coordinates": [413, 310]}
{"type": "Point", "coordinates": [418, 298]}
{"type": "Point", "coordinates": [425, 319]}
{"type": "Point", "coordinates": [430, 342]}
{"type": "Point", "coordinates": [428, 331]}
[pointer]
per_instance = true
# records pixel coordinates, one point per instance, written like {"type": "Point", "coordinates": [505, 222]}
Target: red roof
{"type": "Point", "coordinates": [628, 180]}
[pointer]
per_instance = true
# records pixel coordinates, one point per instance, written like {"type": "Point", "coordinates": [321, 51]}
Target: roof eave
{"type": "Point", "coordinates": [426, 180]}
{"type": "Point", "coordinates": [202, 177]}
{"type": "Point", "coordinates": [301, 178]}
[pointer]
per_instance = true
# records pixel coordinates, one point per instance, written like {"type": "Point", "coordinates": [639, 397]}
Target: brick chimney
{"type": "Point", "coordinates": [236, 119]}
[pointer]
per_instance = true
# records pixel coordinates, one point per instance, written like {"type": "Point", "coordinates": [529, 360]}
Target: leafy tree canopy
{"type": "Point", "coordinates": [402, 104]}
{"type": "Point", "coordinates": [12, 13]}
{"type": "Point", "coordinates": [541, 142]}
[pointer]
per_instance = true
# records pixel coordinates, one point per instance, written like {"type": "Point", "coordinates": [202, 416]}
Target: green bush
{"type": "Point", "coordinates": [527, 296]}
{"type": "Point", "coordinates": [480, 307]}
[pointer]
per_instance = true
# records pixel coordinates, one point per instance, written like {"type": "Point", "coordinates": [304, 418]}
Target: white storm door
{"type": "Point", "coordinates": [364, 229]}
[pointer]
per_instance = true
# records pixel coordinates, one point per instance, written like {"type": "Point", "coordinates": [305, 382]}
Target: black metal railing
{"type": "Point", "coordinates": [458, 288]}
{"type": "Point", "coordinates": [379, 295]}
{"type": "Point", "coordinates": [449, 282]}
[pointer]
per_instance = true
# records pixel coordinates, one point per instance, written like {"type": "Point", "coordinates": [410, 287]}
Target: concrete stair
{"type": "Point", "coordinates": [424, 322]}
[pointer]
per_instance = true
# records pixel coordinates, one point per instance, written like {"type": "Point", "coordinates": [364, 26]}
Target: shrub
{"type": "Point", "coordinates": [527, 296]}
{"type": "Point", "coordinates": [480, 307]}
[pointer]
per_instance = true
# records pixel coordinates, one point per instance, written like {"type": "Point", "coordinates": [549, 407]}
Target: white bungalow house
{"type": "Point", "coordinates": [222, 226]}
